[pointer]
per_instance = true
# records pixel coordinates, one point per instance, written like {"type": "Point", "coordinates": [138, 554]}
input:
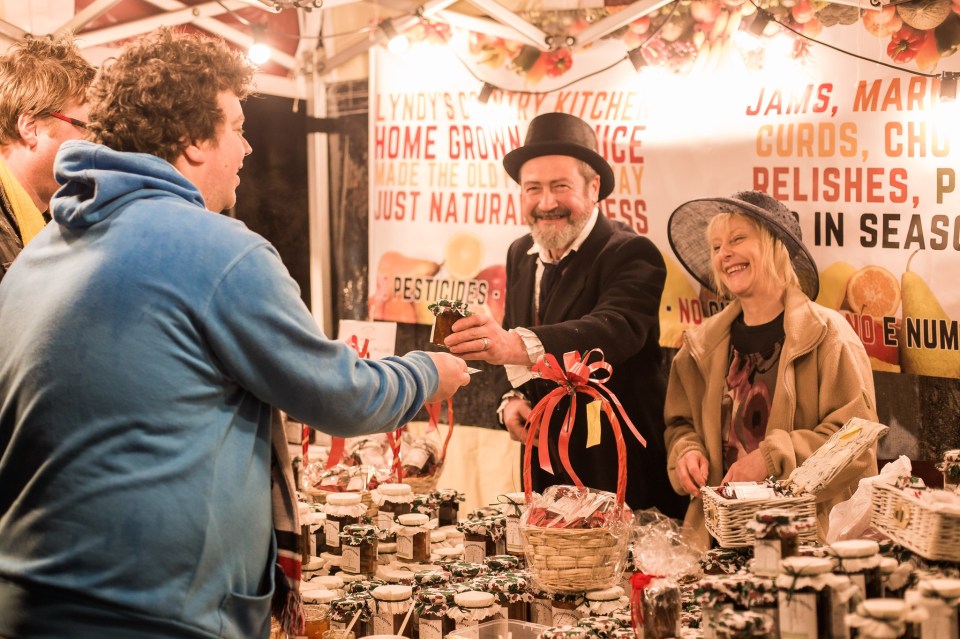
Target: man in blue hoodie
{"type": "Point", "coordinates": [144, 342]}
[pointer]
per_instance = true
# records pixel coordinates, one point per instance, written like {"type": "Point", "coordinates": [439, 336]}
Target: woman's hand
{"type": "Point", "coordinates": [752, 467]}
{"type": "Point", "coordinates": [692, 472]}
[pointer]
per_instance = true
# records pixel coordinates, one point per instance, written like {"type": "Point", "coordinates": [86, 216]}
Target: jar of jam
{"type": "Point", "coordinates": [859, 559]}
{"type": "Point", "coordinates": [713, 594]}
{"type": "Point", "coordinates": [777, 532]}
{"type": "Point", "coordinates": [503, 563]}
{"type": "Point", "coordinates": [413, 538]}
{"type": "Point", "coordinates": [600, 626]}
{"type": "Point", "coordinates": [433, 606]}
{"type": "Point", "coordinates": [565, 608]}
{"type": "Point", "coordinates": [431, 579]}
{"type": "Point", "coordinates": [473, 607]}
{"type": "Point", "coordinates": [358, 549]}
{"type": "Point", "coordinates": [950, 467]}
{"type": "Point", "coordinates": [938, 597]}
{"type": "Point", "coordinates": [392, 501]}
{"type": "Point", "coordinates": [879, 618]}
{"type": "Point", "coordinates": [448, 501]}
{"type": "Point", "coordinates": [461, 571]}
{"type": "Point", "coordinates": [541, 609]}
{"type": "Point", "coordinates": [341, 509]}
{"type": "Point", "coordinates": [421, 458]}
{"type": "Point", "coordinates": [738, 624]}
{"type": "Point", "coordinates": [511, 592]}
{"type": "Point", "coordinates": [759, 595]}
{"type": "Point", "coordinates": [809, 608]}
{"type": "Point", "coordinates": [604, 601]}
{"type": "Point", "coordinates": [393, 605]}
{"type": "Point", "coordinates": [386, 553]}
{"type": "Point", "coordinates": [483, 537]}
{"type": "Point", "coordinates": [345, 610]}
{"type": "Point", "coordinates": [316, 611]}
{"type": "Point", "coordinates": [512, 505]}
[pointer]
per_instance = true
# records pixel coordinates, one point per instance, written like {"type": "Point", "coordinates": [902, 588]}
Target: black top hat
{"type": "Point", "coordinates": [687, 231]}
{"type": "Point", "coordinates": [560, 134]}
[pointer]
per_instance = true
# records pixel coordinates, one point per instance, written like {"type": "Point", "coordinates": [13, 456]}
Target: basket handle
{"type": "Point", "coordinates": [535, 427]}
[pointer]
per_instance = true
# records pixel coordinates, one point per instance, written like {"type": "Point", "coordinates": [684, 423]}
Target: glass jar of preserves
{"type": "Point", "coordinates": [413, 537]}
{"type": "Point", "coordinates": [341, 509]}
{"type": "Point", "coordinates": [392, 500]}
{"type": "Point", "coordinates": [358, 549]}
{"type": "Point", "coordinates": [393, 603]}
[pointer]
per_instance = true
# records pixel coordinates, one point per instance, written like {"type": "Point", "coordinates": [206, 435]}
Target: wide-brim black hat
{"type": "Point", "coordinates": [687, 232]}
{"type": "Point", "coordinates": [560, 134]}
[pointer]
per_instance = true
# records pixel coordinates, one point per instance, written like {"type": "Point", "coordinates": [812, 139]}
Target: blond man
{"type": "Point", "coordinates": [42, 105]}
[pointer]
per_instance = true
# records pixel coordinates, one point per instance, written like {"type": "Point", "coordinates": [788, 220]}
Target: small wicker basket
{"type": "Point", "coordinates": [425, 484]}
{"type": "Point", "coordinates": [914, 524]}
{"type": "Point", "coordinates": [727, 519]}
{"type": "Point", "coordinates": [574, 560]}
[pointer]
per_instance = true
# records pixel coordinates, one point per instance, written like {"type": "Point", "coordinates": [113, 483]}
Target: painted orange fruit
{"type": "Point", "coordinates": [873, 290]}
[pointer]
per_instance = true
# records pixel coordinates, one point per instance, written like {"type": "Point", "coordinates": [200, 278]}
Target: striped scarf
{"type": "Point", "coordinates": [287, 606]}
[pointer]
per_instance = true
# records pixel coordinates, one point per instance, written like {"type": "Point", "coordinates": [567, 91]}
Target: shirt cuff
{"type": "Point", "coordinates": [519, 374]}
{"type": "Point", "coordinates": [510, 394]}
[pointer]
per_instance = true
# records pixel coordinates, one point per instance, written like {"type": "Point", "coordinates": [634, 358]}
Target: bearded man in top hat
{"type": "Point", "coordinates": [579, 281]}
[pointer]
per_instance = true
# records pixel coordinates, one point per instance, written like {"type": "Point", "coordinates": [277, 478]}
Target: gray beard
{"type": "Point", "coordinates": [556, 239]}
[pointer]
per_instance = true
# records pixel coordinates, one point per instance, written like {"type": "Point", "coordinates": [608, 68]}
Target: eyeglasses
{"type": "Point", "coordinates": [66, 118]}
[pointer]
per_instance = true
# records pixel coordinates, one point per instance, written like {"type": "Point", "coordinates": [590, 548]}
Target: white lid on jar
{"type": "Point", "coordinates": [888, 565]}
{"type": "Point", "coordinates": [806, 565]}
{"type": "Point", "coordinates": [315, 563]}
{"type": "Point", "coordinates": [395, 490]}
{"type": "Point", "coordinates": [449, 552]}
{"type": "Point", "coordinates": [437, 536]}
{"type": "Point", "coordinates": [885, 608]}
{"type": "Point", "coordinates": [396, 576]}
{"type": "Point", "coordinates": [385, 548]}
{"type": "Point", "coordinates": [343, 499]}
{"type": "Point", "coordinates": [473, 599]}
{"type": "Point", "coordinates": [605, 594]}
{"type": "Point", "coordinates": [952, 455]}
{"type": "Point", "coordinates": [318, 596]}
{"type": "Point", "coordinates": [854, 548]}
{"type": "Point", "coordinates": [943, 587]}
{"type": "Point", "coordinates": [351, 577]}
{"type": "Point", "coordinates": [392, 593]}
{"type": "Point", "coordinates": [330, 582]}
{"type": "Point", "coordinates": [413, 519]}
{"type": "Point", "coordinates": [303, 508]}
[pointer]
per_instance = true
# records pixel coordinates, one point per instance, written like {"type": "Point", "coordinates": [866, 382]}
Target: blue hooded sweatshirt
{"type": "Point", "coordinates": [143, 340]}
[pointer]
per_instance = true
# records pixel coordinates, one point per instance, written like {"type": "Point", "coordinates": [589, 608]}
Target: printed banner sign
{"type": "Point", "coordinates": [865, 155]}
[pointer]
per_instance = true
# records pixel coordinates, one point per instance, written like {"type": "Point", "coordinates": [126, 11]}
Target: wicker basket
{"type": "Point", "coordinates": [727, 519]}
{"type": "Point", "coordinates": [914, 524]}
{"type": "Point", "coordinates": [425, 484]}
{"type": "Point", "coordinates": [573, 560]}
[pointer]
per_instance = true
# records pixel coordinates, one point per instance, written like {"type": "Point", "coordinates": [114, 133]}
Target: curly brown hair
{"type": "Point", "coordinates": [160, 94]}
{"type": "Point", "coordinates": [37, 76]}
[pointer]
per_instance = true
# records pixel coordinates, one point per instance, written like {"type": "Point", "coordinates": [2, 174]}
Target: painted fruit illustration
{"type": "Point", "coordinates": [463, 256]}
{"type": "Point", "coordinates": [873, 290]}
{"type": "Point", "coordinates": [920, 304]}
{"type": "Point", "coordinates": [833, 284]}
{"type": "Point", "coordinates": [383, 304]}
{"type": "Point", "coordinates": [496, 278]}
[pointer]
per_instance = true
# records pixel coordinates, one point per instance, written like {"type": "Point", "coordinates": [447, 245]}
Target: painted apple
{"type": "Point", "coordinates": [496, 279]}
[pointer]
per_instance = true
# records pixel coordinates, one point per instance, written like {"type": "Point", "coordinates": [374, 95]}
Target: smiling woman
{"type": "Point", "coordinates": [755, 370]}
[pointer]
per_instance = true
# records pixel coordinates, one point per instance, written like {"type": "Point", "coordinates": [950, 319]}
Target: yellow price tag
{"type": "Point", "coordinates": [593, 423]}
{"type": "Point", "coordinates": [853, 432]}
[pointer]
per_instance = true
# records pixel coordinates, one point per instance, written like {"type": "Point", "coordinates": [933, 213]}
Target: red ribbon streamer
{"type": "Point", "coordinates": [574, 377]}
{"type": "Point", "coordinates": [638, 582]}
{"type": "Point", "coordinates": [337, 444]}
{"type": "Point", "coordinates": [433, 412]}
{"type": "Point", "coordinates": [394, 440]}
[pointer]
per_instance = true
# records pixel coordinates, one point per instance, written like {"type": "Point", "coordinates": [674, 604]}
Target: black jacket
{"type": "Point", "coordinates": [608, 297]}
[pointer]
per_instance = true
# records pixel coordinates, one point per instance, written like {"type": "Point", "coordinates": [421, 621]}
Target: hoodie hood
{"type": "Point", "coordinates": [98, 181]}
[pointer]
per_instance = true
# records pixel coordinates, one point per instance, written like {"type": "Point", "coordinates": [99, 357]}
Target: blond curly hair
{"type": "Point", "coordinates": [160, 94]}
{"type": "Point", "coordinates": [37, 76]}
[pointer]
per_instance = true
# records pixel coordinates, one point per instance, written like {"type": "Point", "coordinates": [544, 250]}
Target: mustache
{"type": "Point", "coordinates": [559, 211]}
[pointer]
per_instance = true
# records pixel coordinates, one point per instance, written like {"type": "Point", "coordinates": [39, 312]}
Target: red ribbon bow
{"type": "Point", "coordinates": [576, 376]}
